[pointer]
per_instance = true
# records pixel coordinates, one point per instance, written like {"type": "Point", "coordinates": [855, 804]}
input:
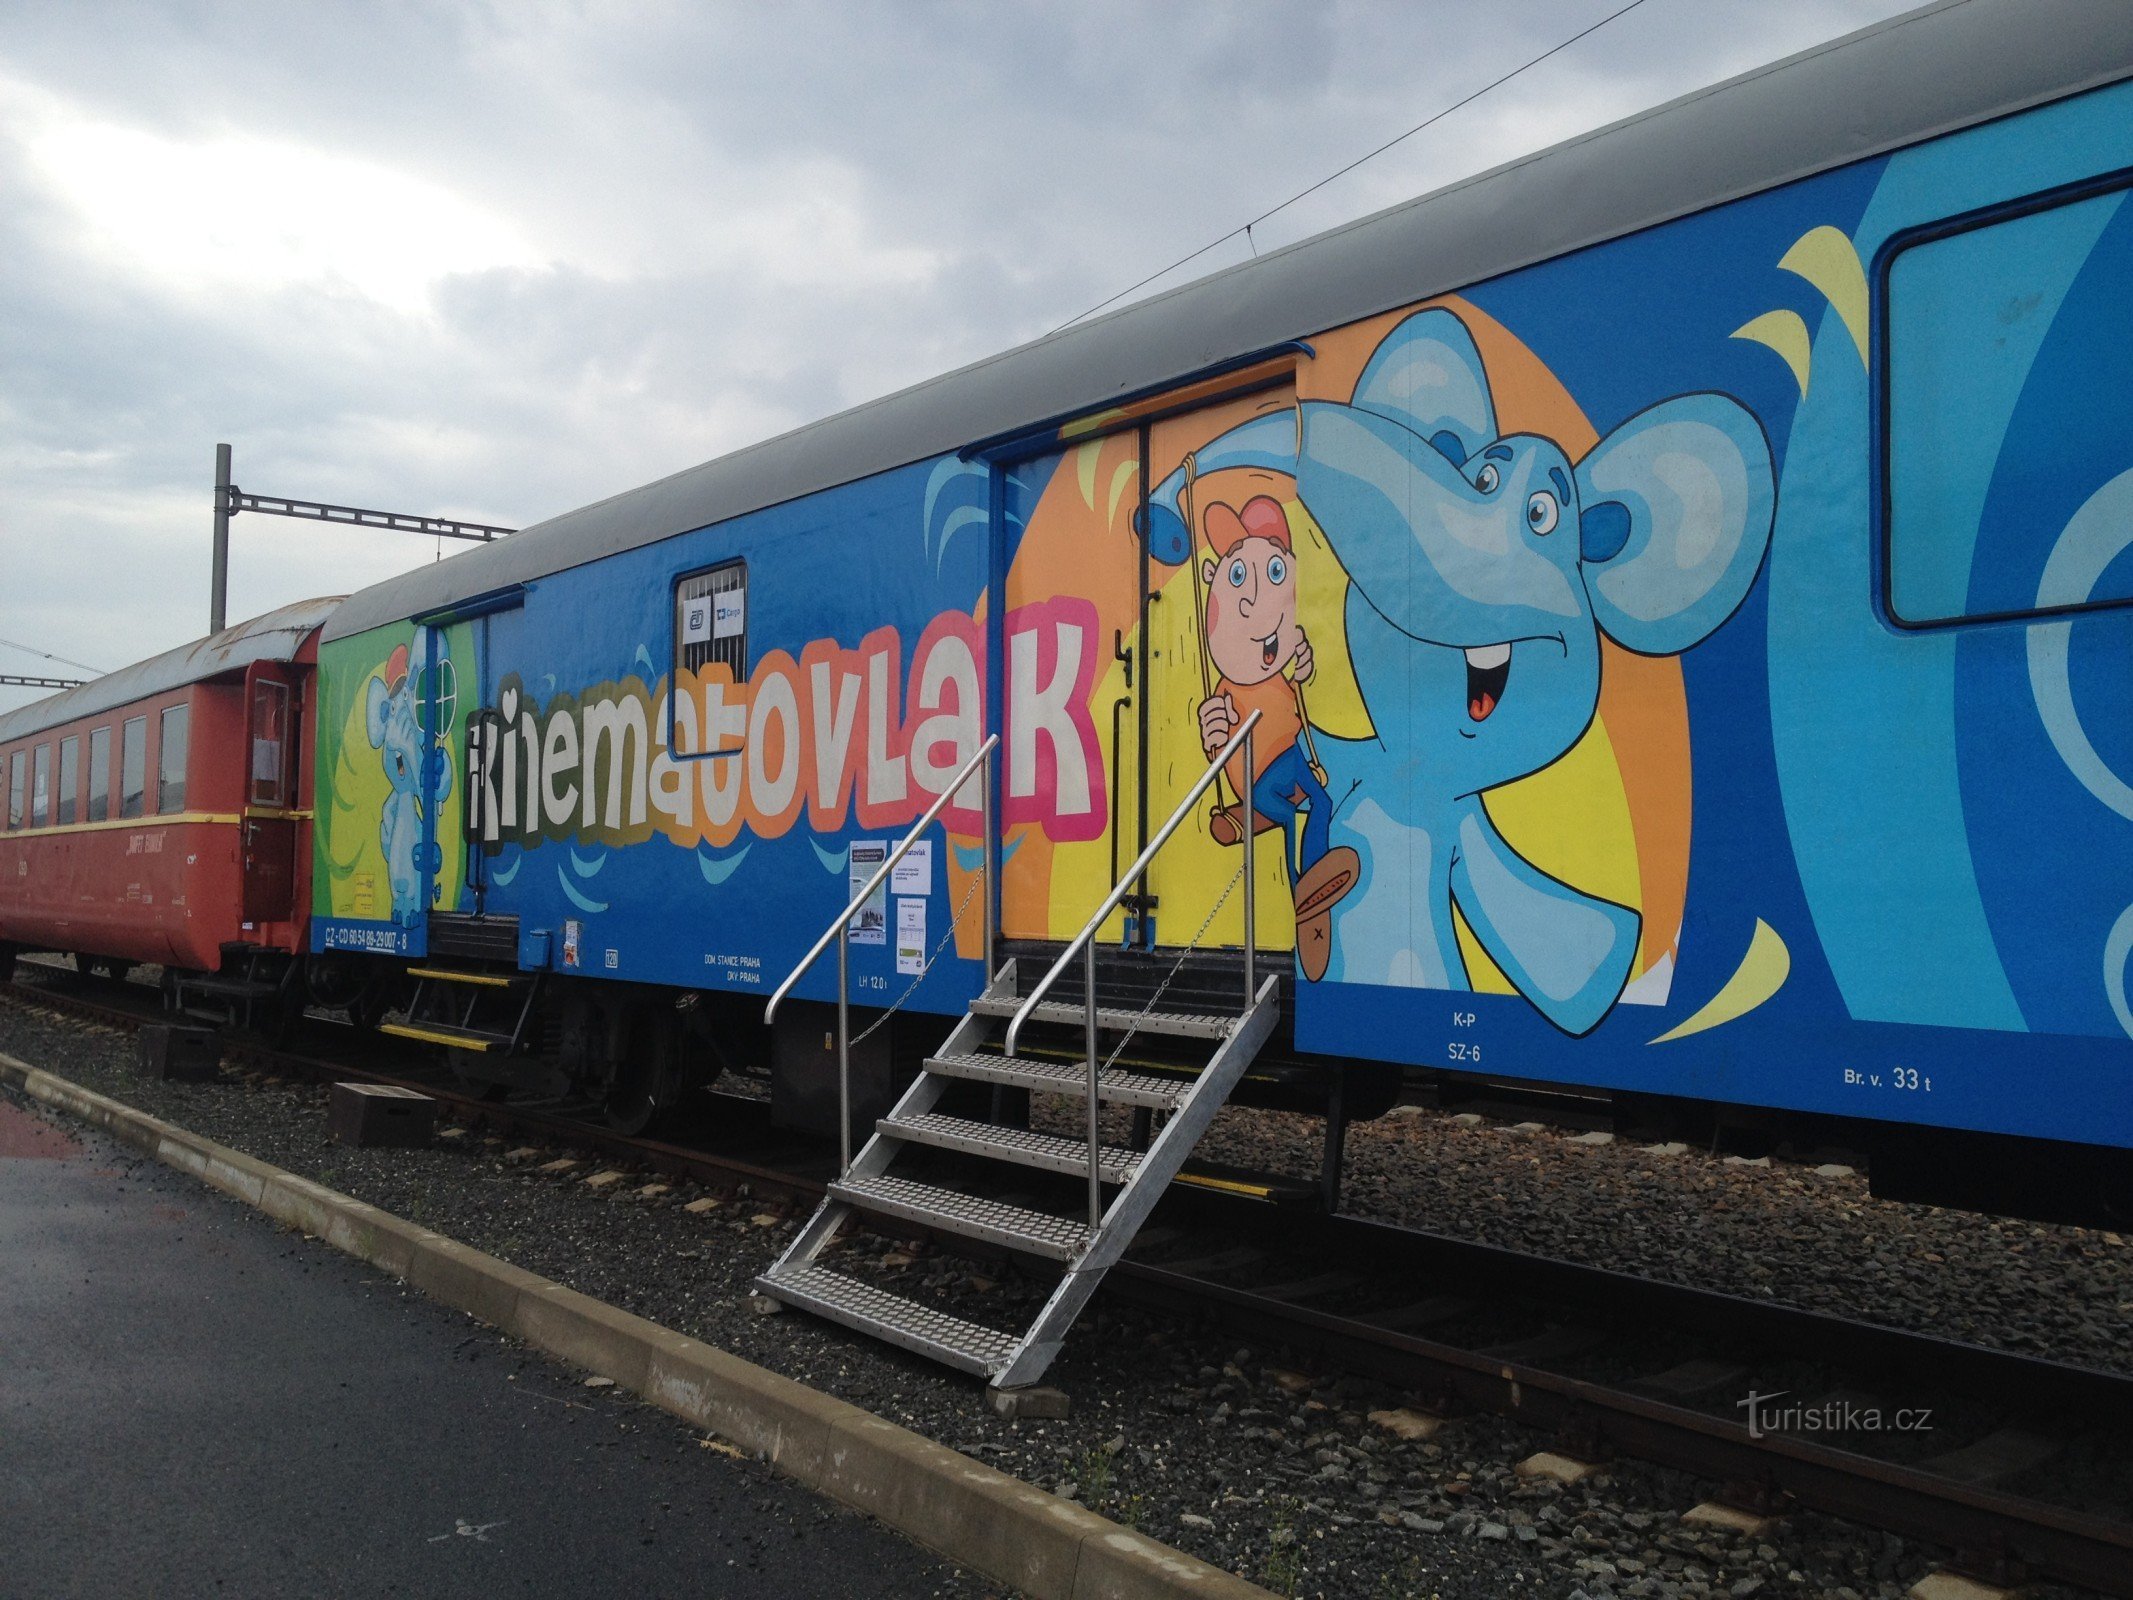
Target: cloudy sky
{"type": "Point", "coordinates": [497, 260]}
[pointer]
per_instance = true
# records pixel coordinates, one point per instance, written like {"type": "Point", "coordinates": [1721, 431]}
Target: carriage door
{"type": "Point", "coordinates": [1089, 592]}
{"type": "Point", "coordinates": [1236, 587]}
{"type": "Point", "coordinates": [269, 798]}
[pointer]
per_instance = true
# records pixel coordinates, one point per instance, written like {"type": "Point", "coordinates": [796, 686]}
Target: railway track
{"type": "Point", "coordinates": [2036, 1486]}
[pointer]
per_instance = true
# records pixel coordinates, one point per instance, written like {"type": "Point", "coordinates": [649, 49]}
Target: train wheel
{"type": "Point", "coordinates": [7, 963]}
{"type": "Point", "coordinates": [647, 1075]}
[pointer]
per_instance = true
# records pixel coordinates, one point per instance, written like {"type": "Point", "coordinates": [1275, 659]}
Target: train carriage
{"type": "Point", "coordinates": [160, 815]}
{"type": "Point", "coordinates": [1678, 586]}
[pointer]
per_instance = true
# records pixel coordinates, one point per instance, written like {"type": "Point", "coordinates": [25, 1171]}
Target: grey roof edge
{"type": "Point", "coordinates": [1909, 78]}
{"type": "Point", "coordinates": [275, 635]}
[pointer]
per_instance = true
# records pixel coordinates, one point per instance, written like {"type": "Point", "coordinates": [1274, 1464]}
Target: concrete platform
{"type": "Point", "coordinates": [195, 1401]}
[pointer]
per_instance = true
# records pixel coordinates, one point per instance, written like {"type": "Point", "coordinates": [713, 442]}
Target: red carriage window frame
{"type": "Point", "coordinates": [173, 734]}
{"type": "Point", "coordinates": [133, 766]}
{"type": "Point", "coordinates": [100, 774]}
{"type": "Point", "coordinates": [66, 799]}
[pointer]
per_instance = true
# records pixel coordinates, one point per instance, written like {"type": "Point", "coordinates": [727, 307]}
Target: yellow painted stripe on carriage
{"type": "Point", "coordinates": [487, 980]}
{"type": "Point", "coordinates": [162, 820]}
{"type": "Point", "coordinates": [403, 1030]}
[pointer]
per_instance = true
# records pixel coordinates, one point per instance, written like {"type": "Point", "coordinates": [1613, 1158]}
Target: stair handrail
{"type": "Point", "coordinates": [1084, 941]}
{"type": "Point", "coordinates": [839, 931]}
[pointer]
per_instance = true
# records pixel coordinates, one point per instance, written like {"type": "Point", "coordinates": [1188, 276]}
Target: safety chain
{"type": "Point", "coordinates": [1170, 977]}
{"type": "Point", "coordinates": [954, 922]}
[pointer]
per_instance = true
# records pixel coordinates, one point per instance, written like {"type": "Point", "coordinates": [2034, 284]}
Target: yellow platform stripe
{"type": "Point", "coordinates": [485, 979]}
{"type": "Point", "coordinates": [407, 1030]}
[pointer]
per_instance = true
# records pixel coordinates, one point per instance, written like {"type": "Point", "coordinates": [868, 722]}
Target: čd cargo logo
{"type": "Point", "coordinates": [837, 733]}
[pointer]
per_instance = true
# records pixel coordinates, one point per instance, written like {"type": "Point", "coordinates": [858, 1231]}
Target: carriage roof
{"type": "Point", "coordinates": [278, 635]}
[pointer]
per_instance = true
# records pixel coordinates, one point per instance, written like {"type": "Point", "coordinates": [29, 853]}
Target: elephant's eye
{"type": "Point", "coordinates": [1486, 479]}
{"type": "Point", "coordinates": [1276, 569]}
{"type": "Point", "coordinates": [1542, 512]}
{"type": "Point", "coordinates": [1236, 574]}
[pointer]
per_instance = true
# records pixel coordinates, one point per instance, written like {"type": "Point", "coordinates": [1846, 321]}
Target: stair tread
{"type": "Point", "coordinates": [445, 1033]}
{"type": "Point", "coordinates": [967, 1345]}
{"type": "Point", "coordinates": [485, 980]}
{"type": "Point", "coordinates": [1064, 1077]}
{"type": "Point", "coordinates": [1020, 1145]}
{"type": "Point", "coordinates": [1115, 1019]}
{"type": "Point", "coordinates": [974, 1216]}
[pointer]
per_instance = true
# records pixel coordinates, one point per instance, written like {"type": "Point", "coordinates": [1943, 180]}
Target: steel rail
{"type": "Point", "coordinates": [2047, 1540]}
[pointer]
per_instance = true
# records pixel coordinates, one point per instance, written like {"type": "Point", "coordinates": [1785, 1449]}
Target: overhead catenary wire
{"type": "Point", "coordinates": [47, 655]}
{"type": "Point", "coordinates": [1436, 117]}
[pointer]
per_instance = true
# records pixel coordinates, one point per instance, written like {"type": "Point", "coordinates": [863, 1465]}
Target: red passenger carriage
{"type": "Point", "coordinates": [161, 814]}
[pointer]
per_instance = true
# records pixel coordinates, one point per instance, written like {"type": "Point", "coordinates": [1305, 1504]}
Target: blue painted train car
{"type": "Point", "coordinates": [1685, 580]}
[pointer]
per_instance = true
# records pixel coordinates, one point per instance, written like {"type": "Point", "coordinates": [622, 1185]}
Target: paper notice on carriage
{"type": "Point", "coordinates": [911, 936]}
{"type": "Point", "coordinates": [870, 923]}
{"type": "Point", "coordinates": [914, 874]}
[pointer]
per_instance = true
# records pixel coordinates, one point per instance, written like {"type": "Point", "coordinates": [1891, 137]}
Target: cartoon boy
{"type": "Point", "coordinates": [1253, 634]}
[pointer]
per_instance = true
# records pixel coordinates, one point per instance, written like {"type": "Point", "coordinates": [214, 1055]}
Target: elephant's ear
{"type": "Point", "coordinates": [374, 713]}
{"type": "Point", "coordinates": [1675, 518]}
{"type": "Point", "coordinates": [1427, 376]}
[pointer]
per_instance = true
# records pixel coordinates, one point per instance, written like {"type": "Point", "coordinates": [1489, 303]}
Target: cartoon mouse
{"type": "Point", "coordinates": [1483, 570]}
{"type": "Point", "coordinates": [416, 767]}
{"type": "Point", "coordinates": [1253, 637]}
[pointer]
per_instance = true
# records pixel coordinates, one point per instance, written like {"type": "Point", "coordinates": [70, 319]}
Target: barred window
{"type": "Point", "coordinates": [710, 629]}
{"type": "Point", "coordinates": [711, 619]}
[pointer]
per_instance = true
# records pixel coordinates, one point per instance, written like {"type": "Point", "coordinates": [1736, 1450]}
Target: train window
{"type": "Point", "coordinates": [2007, 402]}
{"type": "Point", "coordinates": [270, 743]}
{"type": "Point", "coordinates": [710, 630]}
{"type": "Point", "coordinates": [18, 774]}
{"type": "Point", "coordinates": [133, 766]}
{"type": "Point", "coordinates": [99, 774]}
{"type": "Point", "coordinates": [68, 798]}
{"type": "Point", "coordinates": [170, 759]}
{"type": "Point", "coordinates": [41, 788]}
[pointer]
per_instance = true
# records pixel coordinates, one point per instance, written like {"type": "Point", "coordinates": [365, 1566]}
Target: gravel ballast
{"type": "Point", "coordinates": [1808, 1236]}
{"type": "Point", "coordinates": [1246, 1458]}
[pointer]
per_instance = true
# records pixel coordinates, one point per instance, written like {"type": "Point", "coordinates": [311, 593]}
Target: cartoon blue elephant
{"type": "Point", "coordinates": [1483, 570]}
{"type": "Point", "coordinates": [415, 765]}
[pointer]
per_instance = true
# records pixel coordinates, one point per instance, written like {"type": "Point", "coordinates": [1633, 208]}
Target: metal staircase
{"type": "Point", "coordinates": [1123, 1184]}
